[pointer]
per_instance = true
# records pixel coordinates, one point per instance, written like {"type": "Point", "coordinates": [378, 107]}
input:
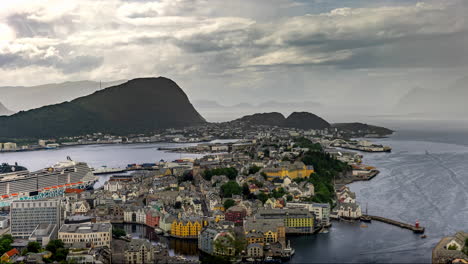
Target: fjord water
{"type": "Point", "coordinates": [424, 178]}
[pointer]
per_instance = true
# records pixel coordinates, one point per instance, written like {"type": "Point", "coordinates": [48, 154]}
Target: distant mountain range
{"type": "Point", "coordinates": [18, 98]}
{"type": "Point", "coordinates": [451, 100]}
{"type": "Point", "coordinates": [4, 110]}
{"type": "Point", "coordinates": [137, 106]}
{"type": "Point", "coordinates": [213, 105]}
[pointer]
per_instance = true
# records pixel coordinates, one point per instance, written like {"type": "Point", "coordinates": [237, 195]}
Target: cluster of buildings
{"type": "Point", "coordinates": [8, 146]}
{"type": "Point", "coordinates": [452, 249]}
{"type": "Point", "coordinates": [346, 205]}
{"type": "Point", "coordinates": [178, 200]}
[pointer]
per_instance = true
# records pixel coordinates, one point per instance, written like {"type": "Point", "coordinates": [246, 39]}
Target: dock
{"type": "Point", "coordinates": [415, 229]}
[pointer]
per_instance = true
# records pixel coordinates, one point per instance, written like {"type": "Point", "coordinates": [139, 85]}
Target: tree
{"type": "Point", "coordinates": [231, 173]}
{"type": "Point", "coordinates": [5, 243]}
{"type": "Point", "coordinates": [452, 247]}
{"type": "Point", "coordinates": [34, 247]}
{"type": "Point", "coordinates": [54, 245]}
{"type": "Point", "coordinates": [177, 205]}
{"type": "Point", "coordinates": [228, 203]}
{"type": "Point", "coordinates": [187, 176]}
{"type": "Point", "coordinates": [245, 189]}
{"type": "Point", "coordinates": [61, 254]}
{"type": "Point", "coordinates": [118, 232]}
{"type": "Point", "coordinates": [278, 193]}
{"type": "Point", "coordinates": [254, 169]}
{"type": "Point", "coordinates": [289, 198]}
{"type": "Point", "coordinates": [262, 197]}
{"type": "Point", "coordinates": [230, 188]}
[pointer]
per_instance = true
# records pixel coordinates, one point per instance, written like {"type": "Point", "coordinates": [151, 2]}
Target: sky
{"type": "Point", "coordinates": [360, 56]}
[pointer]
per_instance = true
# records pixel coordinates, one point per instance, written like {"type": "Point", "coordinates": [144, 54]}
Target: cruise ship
{"type": "Point", "coordinates": [17, 183]}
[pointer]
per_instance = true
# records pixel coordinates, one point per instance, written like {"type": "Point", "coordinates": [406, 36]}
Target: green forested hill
{"type": "Point", "coordinates": [137, 106]}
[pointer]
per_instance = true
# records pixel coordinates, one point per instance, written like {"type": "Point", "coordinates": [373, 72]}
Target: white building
{"type": "Point", "coordinates": [113, 186]}
{"type": "Point", "coordinates": [3, 222]}
{"type": "Point", "coordinates": [349, 210]}
{"type": "Point", "coordinates": [97, 234]}
{"type": "Point", "coordinates": [9, 146]}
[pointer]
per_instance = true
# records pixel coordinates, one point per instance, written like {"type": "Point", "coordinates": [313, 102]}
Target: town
{"type": "Point", "coordinates": [238, 202]}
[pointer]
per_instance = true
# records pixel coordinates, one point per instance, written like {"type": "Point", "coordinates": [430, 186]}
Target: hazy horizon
{"type": "Point", "coordinates": [362, 58]}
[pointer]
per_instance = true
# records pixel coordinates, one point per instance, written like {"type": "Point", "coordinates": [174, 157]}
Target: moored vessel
{"type": "Point", "coordinates": [17, 183]}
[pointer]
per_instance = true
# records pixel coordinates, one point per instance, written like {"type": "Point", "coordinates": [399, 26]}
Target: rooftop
{"type": "Point", "coordinates": [86, 228]}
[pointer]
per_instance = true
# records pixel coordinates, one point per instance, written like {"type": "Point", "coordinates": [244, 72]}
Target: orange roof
{"type": "Point", "coordinates": [5, 196]}
{"type": "Point", "coordinates": [61, 186]}
{"type": "Point", "coordinates": [68, 184]}
{"type": "Point", "coordinates": [71, 190]}
{"type": "Point", "coordinates": [12, 252]}
{"type": "Point", "coordinates": [80, 182]}
{"type": "Point", "coordinates": [55, 187]}
{"type": "Point", "coordinates": [46, 188]}
{"type": "Point", "coordinates": [14, 194]}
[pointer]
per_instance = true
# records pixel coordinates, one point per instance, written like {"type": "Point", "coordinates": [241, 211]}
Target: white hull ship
{"type": "Point", "coordinates": [17, 183]}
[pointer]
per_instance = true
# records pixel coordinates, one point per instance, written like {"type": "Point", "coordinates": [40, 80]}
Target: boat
{"type": "Point", "coordinates": [366, 217]}
{"type": "Point", "coordinates": [17, 183]}
{"type": "Point", "coordinates": [364, 226]}
{"type": "Point", "coordinates": [423, 236]}
{"type": "Point", "coordinates": [104, 170]}
{"type": "Point", "coordinates": [158, 231]}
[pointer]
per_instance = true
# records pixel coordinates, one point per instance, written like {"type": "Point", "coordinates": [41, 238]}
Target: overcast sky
{"type": "Point", "coordinates": [335, 52]}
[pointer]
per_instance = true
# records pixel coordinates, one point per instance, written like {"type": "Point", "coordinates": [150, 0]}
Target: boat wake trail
{"type": "Point", "coordinates": [453, 175]}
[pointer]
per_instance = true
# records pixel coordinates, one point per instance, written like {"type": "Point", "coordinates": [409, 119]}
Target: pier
{"type": "Point", "coordinates": [415, 228]}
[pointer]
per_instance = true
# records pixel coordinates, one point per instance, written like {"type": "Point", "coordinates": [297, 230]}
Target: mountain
{"type": "Point", "coordinates": [302, 120]}
{"type": "Point", "coordinates": [31, 97]}
{"type": "Point", "coordinates": [4, 110]}
{"type": "Point", "coordinates": [137, 106]}
{"type": "Point", "coordinates": [208, 104]}
{"type": "Point", "coordinates": [305, 120]}
{"type": "Point", "coordinates": [363, 128]}
{"type": "Point", "coordinates": [450, 100]}
{"type": "Point", "coordinates": [266, 119]}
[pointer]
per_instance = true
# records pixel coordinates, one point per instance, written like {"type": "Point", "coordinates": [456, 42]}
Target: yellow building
{"type": "Point", "coordinates": [187, 228]}
{"type": "Point", "coordinates": [292, 170]}
{"type": "Point", "coordinates": [264, 231]}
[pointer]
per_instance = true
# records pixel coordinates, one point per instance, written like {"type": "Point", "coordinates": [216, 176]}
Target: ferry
{"type": "Point", "coordinates": [105, 170]}
{"type": "Point", "coordinates": [17, 183]}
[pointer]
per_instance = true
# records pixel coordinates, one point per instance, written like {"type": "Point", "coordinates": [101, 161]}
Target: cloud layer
{"type": "Point", "coordinates": [233, 46]}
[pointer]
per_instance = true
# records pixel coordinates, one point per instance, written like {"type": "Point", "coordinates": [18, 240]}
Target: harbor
{"type": "Point", "coordinates": [415, 228]}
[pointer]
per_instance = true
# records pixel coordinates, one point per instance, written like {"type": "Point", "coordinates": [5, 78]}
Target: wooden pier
{"type": "Point", "coordinates": [415, 229]}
